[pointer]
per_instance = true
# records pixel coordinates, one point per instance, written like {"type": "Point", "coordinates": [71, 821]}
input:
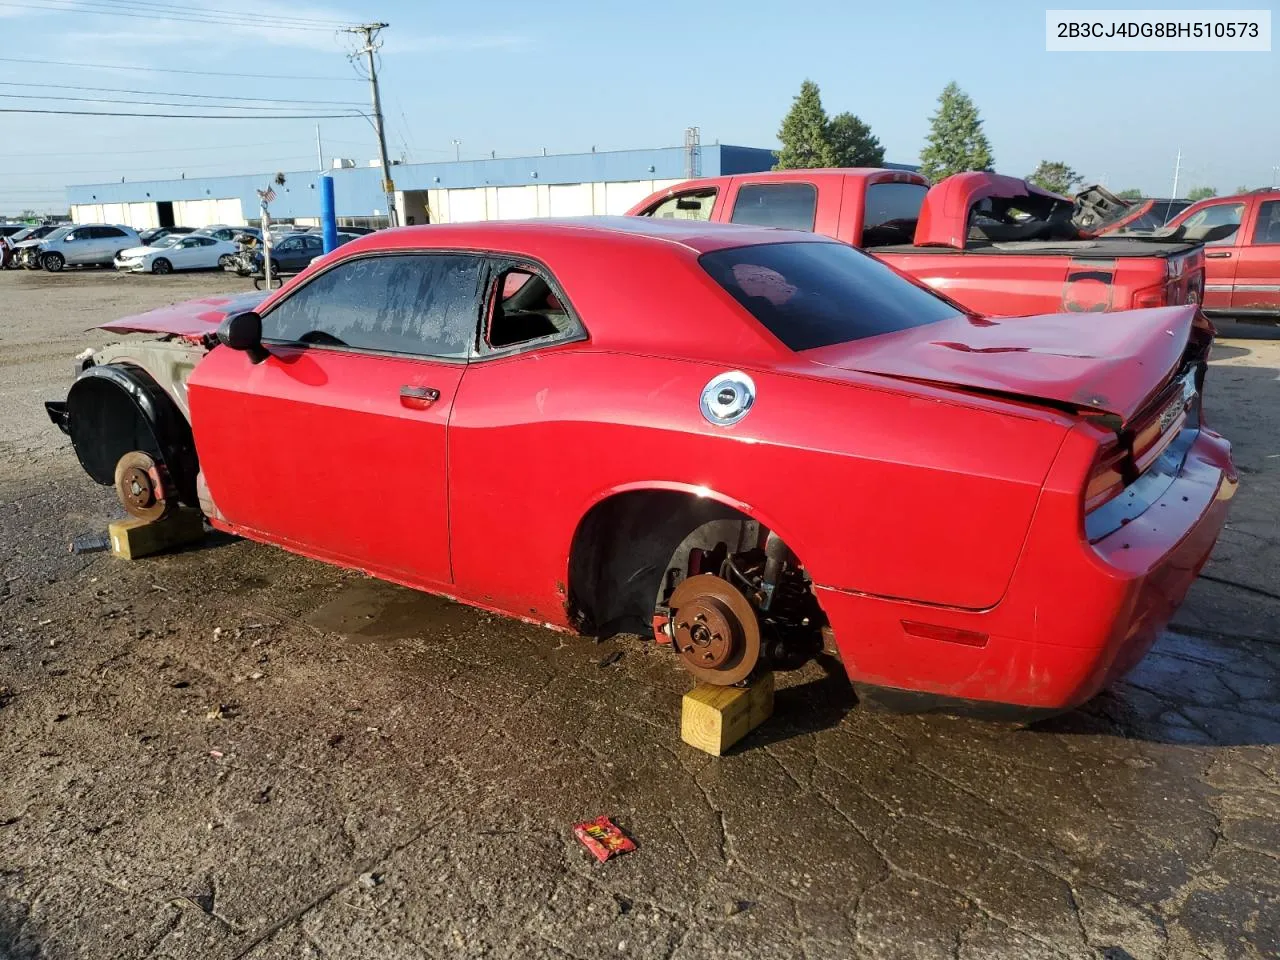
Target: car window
{"type": "Point", "coordinates": [789, 205]}
{"type": "Point", "coordinates": [690, 205]}
{"type": "Point", "coordinates": [290, 244]}
{"type": "Point", "coordinates": [204, 241]}
{"type": "Point", "coordinates": [104, 232]}
{"type": "Point", "coordinates": [313, 243]}
{"type": "Point", "coordinates": [1214, 224]}
{"type": "Point", "coordinates": [421, 304]}
{"type": "Point", "coordinates": [816, 294]}
{"type": "Point", "coordinates": [524, 307]}
{"type": "Point", "coordinates": [1268, 228]}
{"type": "Point", "coordinates": [891, 211]}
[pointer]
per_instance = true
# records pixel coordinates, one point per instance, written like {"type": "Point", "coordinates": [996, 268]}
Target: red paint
{"type": "Point", "coordinates": [908, 495]}
{"type": "Point", "coordinates": [1085, 277]}
{"type": "Point", "coordinates": [190, 320]}
{"type": "Point", "coordinates": [1242, 272]}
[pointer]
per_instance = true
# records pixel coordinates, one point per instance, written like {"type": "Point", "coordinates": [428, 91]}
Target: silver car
{"type": "Point", "coordinates": [82, 244]}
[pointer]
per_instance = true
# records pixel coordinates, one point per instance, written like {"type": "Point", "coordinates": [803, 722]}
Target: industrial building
{"type": "Point", "coordinates": [564, 185]}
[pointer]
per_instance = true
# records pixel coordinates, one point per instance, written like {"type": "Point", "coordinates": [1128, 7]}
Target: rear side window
{"type": "Point", "coordinates": [1268, 228]}
{"type": "Point", "coordinates": [891, 213]}
{"type": "Point", "coordinates": [420, 304]}
{"type": "Point", "coordinates": [816, 294]}
{"type": "Point", "coordinates": [789, 205]}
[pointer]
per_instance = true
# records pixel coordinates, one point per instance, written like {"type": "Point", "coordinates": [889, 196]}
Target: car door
{"type": "Point", "coordinates": [335, 444]}
{"type": "Point", "coordinates": [183, 253]}
{"type": "Point", "coordinates": [1257, 279]}
{"type": "Point", "coordinates": [77, 246]}
{"type": "Point", "coordinates": [287, 257]}
{"type": "Point", "coordinates": [107, 241]}
{"type": "Point", "coordinates": [1217, 225]}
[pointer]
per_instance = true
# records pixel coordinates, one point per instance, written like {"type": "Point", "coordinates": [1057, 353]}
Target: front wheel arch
{"type": "Point", "coordinates": [116, 408]}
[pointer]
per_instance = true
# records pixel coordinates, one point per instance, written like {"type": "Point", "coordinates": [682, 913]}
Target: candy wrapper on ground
{"type": "Point", "coordinates": [603, 838]}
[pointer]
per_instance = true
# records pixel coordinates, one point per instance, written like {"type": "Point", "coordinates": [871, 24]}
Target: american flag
{"type": "Point", "coordinates": [268, 194]}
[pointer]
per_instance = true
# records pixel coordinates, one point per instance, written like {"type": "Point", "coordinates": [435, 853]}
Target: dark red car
{"type": "Point", "coordinates": [743, 439]}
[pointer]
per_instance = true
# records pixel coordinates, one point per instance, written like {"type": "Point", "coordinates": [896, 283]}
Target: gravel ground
{"type": "Point", "coordinates": [232, 752]}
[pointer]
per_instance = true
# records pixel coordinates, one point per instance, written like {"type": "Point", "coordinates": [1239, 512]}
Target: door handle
{"type": "Point", "coordinates": [1218, 255]}
{"type": "Point", "coordinates": [418, 398]}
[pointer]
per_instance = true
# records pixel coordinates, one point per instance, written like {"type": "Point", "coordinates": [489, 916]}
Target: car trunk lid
{"type": "Point", "coordinates": [190, 320]}
{"type": "Point", "coordinates": [1108, 365]}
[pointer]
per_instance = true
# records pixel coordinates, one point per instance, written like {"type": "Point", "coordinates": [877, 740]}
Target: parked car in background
{"type": "Point", "coordinates": [159, 233]}
{"type": "Point", "coordinates": [761, 438]}
{"type": "Point", "coordinates": [1099, 212]}
{"type": "Point", "coordinates": [1241, 235]}
{"type": "Point", "coordinates": [177, 252]}
{"type": "Point", "coordinates": [84, 244]}
{"type": "Point", "coordinates": [223, 232]}
{"type": "Point", "coordinates": [998, 245]}
{"type": "Point", "coordinates": [7, 230]}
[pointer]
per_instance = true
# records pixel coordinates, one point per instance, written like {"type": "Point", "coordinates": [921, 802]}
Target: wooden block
{"type": "Point", "coordinates": [715, 718]}
{"type": "Point", "coordinates": [134, 538]}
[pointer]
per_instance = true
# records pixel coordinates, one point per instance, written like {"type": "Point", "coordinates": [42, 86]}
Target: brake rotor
{"type": "Point", "coordinates": [140, 486]}
{"type": "Point", "coordinates": [716, 632]}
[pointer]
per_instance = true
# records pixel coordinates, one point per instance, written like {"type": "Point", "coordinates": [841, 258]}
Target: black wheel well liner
{"type": "Point", "coordinates": [114, 408]}
{"type": "Point", "coordinates": [621, 551]}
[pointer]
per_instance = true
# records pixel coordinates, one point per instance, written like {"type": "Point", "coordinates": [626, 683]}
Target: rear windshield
{"type": "Point", "coordinates": [816, 294]}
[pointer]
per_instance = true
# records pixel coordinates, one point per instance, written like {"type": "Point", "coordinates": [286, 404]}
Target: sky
{"type": "Point", "coordinates": [565, 75]}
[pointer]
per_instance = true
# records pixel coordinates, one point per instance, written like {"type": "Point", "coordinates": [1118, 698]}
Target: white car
{"type": "Point", "coordinates": [177, 252]}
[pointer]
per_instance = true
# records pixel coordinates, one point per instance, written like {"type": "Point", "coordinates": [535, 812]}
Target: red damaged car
{"type": "Point", "coordinates": [746, 440]}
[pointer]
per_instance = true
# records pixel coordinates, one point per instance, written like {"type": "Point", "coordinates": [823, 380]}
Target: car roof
{"type": "Point", "coordinates": [697, 236]}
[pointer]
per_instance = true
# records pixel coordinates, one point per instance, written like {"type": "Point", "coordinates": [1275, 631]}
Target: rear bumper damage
{"type": "Point", "coordinates": [1077, 616]}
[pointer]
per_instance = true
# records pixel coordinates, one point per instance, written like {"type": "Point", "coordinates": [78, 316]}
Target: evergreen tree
{"type": "Point", "coordinates": [804, 132]}
{"type": "Point", "coordinates": [956, 142]}
{"type": "Point", "coordinates": [852, 142]}
{"type": "Point", "coordinates": [1201, 193]}
{"type": "Point", "coordinates": [1133, 193]}
{"type": "Point", "coordinates": [1055, 176]}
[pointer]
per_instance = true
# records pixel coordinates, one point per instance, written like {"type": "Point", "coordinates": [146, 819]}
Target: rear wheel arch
{"type": "Point", "coordinates": [116, 408]}
{"type": "Point", "coordinates": [624, 544]}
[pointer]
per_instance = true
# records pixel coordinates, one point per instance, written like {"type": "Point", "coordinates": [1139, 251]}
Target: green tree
{"type": "Point", "coordinates": [1055, 176]}
{"type": "Point", "coordinates": [956, 142]}
{"type": "Point", "coordinates": [1201, 193]}
{"type": "Point", "coordinates": [1242, 189]}
{"type": "Point", "coordinates": [1133, 193]}
{"type": "Point", "coordinates": [852, 142]}
{"type": "Point", "coordinates": [804, 132]}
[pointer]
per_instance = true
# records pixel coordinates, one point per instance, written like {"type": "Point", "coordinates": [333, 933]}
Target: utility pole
{"type": "Point", "coordinates": [457, 150]}
{"type": "Point", "coordinates": [370, 33]}
{"type": "Point", "coordinates": [319, 151]}
{"type": "Point", "coordinates": [1177, 169]}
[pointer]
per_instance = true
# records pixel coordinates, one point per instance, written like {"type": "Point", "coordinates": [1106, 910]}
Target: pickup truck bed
{"type": "Point", "coordinates": [996, 245]}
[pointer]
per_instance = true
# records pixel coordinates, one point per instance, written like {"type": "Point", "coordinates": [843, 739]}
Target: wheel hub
{"type": "Point", "coordinates": [140, 486]}
{"type": "Point", "coordinates": [716, 632]}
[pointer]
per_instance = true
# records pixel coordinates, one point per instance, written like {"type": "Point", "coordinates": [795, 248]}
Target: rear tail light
{"type": "Point", "coordinates": [1156, 296]}
{"type": "Point", "coordinates": [1106, 482]}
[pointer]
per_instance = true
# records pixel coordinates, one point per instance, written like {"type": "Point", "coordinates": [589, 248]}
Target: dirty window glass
{"type": "Point", "coordinates": [694, 205]}
{"type": "Point", "coordinates": [1268, 228]}
{"type": "Point", "coordinates": [418, 304]}
{"type": "Point", "coordinates": [1214, 224]}
{"type": "Point", "coordinates": [891, 213]}
{"type": "Point", "coordinates": [816, 294]}
{"type": "Point", "coordinates": [789, 205]}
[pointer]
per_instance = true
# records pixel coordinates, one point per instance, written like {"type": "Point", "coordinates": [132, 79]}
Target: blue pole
{"type": "Point", "coordinates": [328, 219]}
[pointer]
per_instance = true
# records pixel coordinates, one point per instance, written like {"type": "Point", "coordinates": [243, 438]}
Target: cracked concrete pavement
{"type": "Point", "coordinates": [232, 752]}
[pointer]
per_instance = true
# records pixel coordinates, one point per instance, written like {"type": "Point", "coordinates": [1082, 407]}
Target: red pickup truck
{"type": "Point", "coordinates": [997, 245]}
{"type": "Point", "coordinates": [1241, 235]}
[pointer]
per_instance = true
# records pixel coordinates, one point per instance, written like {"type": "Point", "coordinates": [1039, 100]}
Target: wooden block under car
{"type": "Point", "coordinates": [134, 538]}
{"type": "Point", "coordinates": [715, 718]}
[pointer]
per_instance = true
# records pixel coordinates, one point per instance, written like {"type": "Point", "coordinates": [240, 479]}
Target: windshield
{"type": "Point", "coordinates": [168, 241]}
{"type": "Point", "coordinates": [59, 233]}
{"type": "Point", "coordinates": [22, 235]}
{"type": "Point", "coordinates": [816, 294]}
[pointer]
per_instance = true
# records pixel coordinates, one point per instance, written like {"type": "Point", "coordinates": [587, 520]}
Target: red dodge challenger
{"type": "Point", "coordinates": [748, 441]}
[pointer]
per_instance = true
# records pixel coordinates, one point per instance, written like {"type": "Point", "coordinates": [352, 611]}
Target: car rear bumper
{"type": "Point", "coordinates": [1076, 616]}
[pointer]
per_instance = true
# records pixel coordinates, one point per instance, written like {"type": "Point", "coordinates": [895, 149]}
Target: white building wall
{"type": "Point", "coordinates": [141, 216]}
{"type": "Point", "coordinates": [230, 212]}
{"type": "Point", "coordinates": [466, 206]}
{"type": "Point", "coordinates": [569, 200]}
{"type": "Point", "coordinates": [471, 204]}
{"type": "Point", "coordinates": [515, 203]}
{"type": "Point", "coordinates": [202, 213]}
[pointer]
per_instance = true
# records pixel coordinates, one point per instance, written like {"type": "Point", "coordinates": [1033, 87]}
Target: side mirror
{"type": "Point", "coordinates": [243, 331]}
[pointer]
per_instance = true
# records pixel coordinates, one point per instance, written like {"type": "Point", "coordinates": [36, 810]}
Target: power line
{"type": "Point", "coordinates": [209, 10]}
{"type": "Point", "coordinates": [146, 103]}
{"type": "Point", "coordinates": [202, 96]}
{"type": "Point", "coordinates": [188, 116]}
{"type": "Point", "coordinates": [221, 148]}
{"type": "Point", "coordinates": [87, 6]}
{"type": "Point", "coordinates": [169, 166]}
{"type": "Point", "coordinates": [195, 73]}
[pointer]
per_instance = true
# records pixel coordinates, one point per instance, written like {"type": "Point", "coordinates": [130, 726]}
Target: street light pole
{"type": "Point", "coordinates": [457, 150]}
{"type": "Point", "coordinates": [370, 33]}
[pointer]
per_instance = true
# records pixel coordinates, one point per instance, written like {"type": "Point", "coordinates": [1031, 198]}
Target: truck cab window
{"type": "Point", "coordinates": [792, 206]}
{"type": "Point", "coordinates": [1215, 224]}
{"type": "Point", "coordinates": [892, 211]}
{"type": "Point", "coordinates": [691, 205]}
